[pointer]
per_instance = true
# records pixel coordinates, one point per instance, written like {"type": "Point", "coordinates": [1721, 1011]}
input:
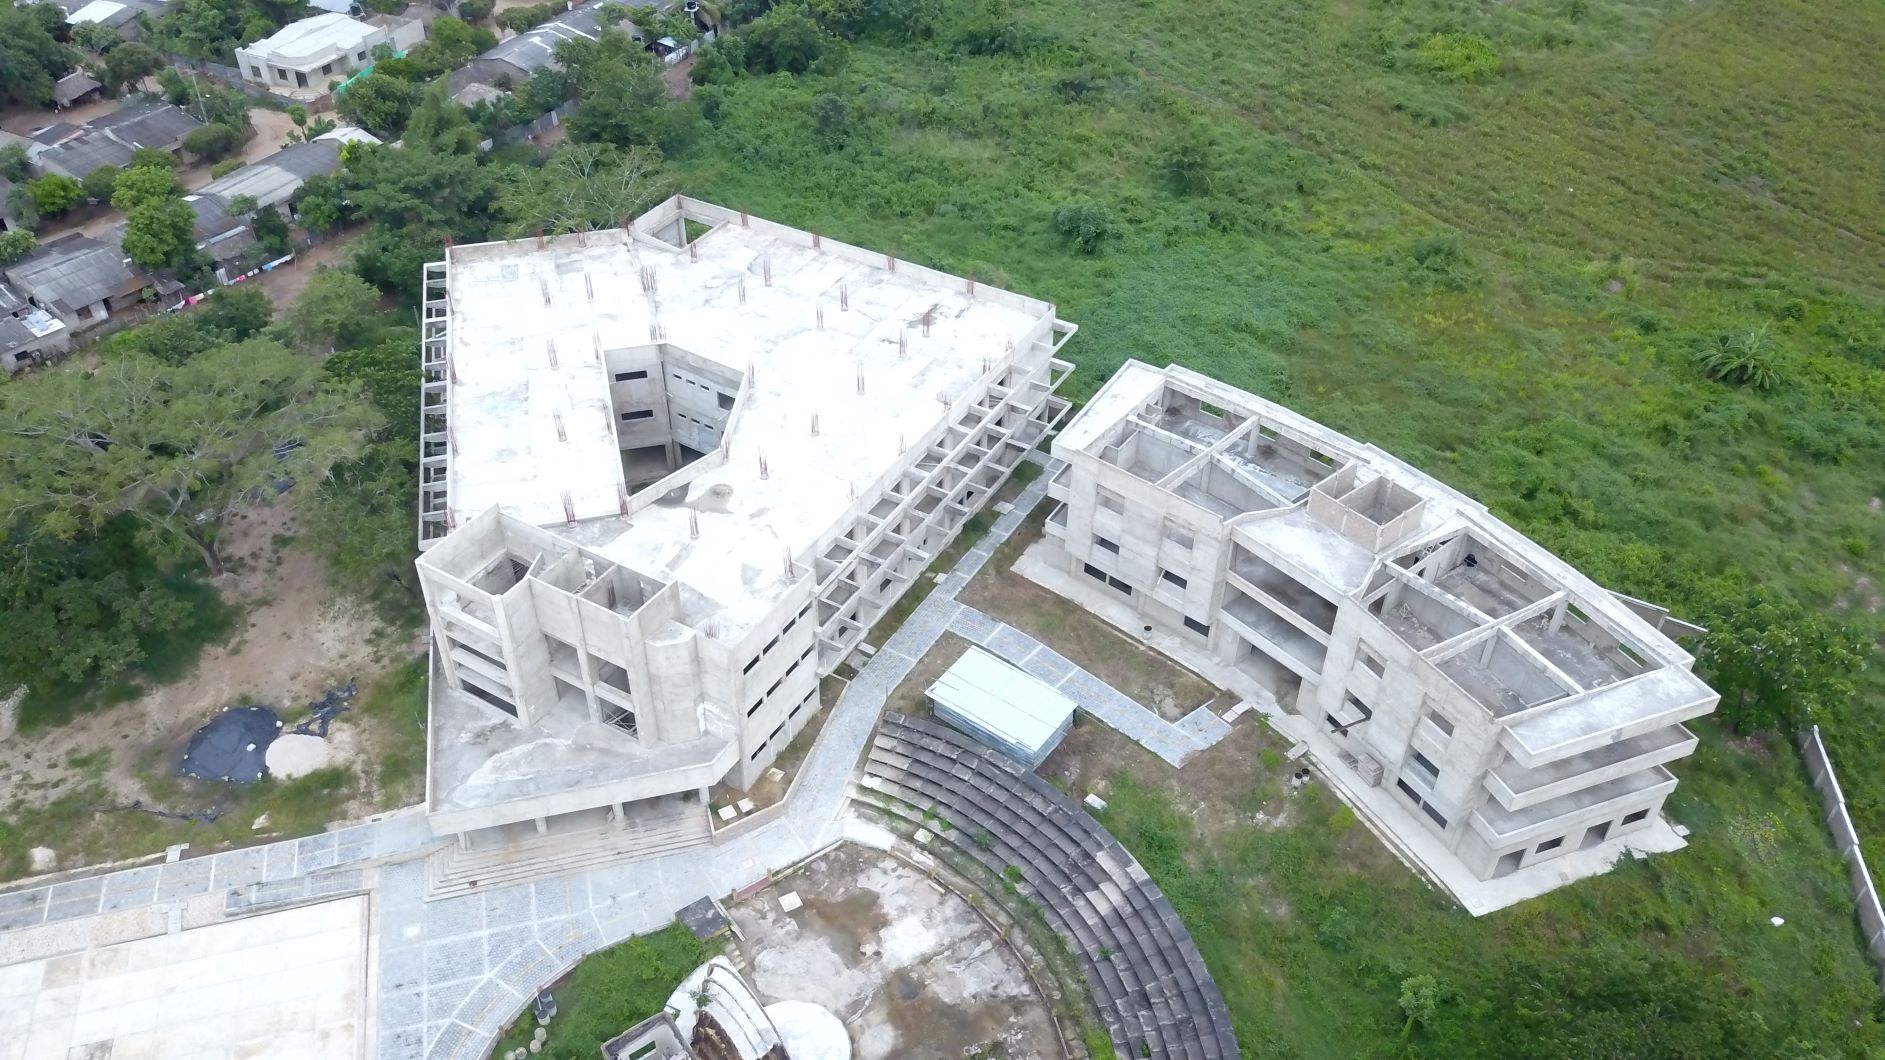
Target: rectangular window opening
{"type": "Point", "coordinates": [1175, 579]}
{"type": "Point", "coordinates": [1200, 628]}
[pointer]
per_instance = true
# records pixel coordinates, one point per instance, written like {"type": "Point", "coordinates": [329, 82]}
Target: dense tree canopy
{"type": "Point", "coordinates": [177, 447]}
{"type": "Point", "coordinates": [31, 57]}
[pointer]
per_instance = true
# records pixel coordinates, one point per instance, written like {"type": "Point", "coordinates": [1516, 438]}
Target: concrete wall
{"type": "Point", "coordinates": [1819, 768]}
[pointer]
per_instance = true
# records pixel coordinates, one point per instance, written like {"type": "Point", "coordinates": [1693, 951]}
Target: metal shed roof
{"type": "Point", "coordinates": [535, 48]}
{"type": "Point", "coordinates": [275, 179]}
{"type": "Point", "coordinates": [1001, 706]}
{"type": "Point", "coordinates": [73, 271]}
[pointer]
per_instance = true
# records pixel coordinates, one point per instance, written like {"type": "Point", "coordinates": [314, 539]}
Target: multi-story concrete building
{"type": "Point", "coordinates": [1497, 708]}
{"type": "Point", "coordinates": [671, 475]}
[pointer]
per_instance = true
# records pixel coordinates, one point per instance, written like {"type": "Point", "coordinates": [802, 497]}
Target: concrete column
{"type": "Point", "coordinates": [464, 842]}
{"type": "Point", "coordinates": [543, 825]}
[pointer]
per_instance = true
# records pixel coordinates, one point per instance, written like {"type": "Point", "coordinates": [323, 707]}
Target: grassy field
{"type": "Point", "coordinates": [1487, 237]}
{"type": "Point", "coordinates": [610, 991]}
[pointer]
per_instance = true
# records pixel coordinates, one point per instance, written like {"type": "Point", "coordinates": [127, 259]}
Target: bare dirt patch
{"type": "Point", "coordinates": [294, 638]}
{"type": "Point", "coordinates": [271, 132]}
{"type": "Point", "coordinates": [25, 121]}
{"type": "Point", "coordinates": [1237, 783]}
{"type": "Point", "coordinates": [913, 971]}
{"type": "Point", "coordinates": [283, 285]}
{"type": "Point", "coordinates": [1089, 641]}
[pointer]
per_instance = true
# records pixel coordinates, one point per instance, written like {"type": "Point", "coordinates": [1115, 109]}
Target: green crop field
{"type": "Point", "coordinates": [1491, 238]}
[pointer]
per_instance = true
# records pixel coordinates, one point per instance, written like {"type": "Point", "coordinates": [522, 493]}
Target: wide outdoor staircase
{"type": "Point", "coordinates": [452, 871]}
{"type": "Point", "coordinates": [1146, 978]}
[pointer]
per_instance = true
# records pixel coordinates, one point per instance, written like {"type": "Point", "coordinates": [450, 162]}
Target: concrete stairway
{"type": "Point", "coordinates": [452, 871]}
{"type": "Point", "coordinates": [1151, 987]}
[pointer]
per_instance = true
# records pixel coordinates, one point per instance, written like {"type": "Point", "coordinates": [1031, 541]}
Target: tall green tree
{"type": "Point", "coordinates": [142, 186]}
{"type": "Point", "coordinates": [1776, 664]}
{"type": "Point", "coordinates": [161, 235]}
{"type": "Point", "coordinates": [179, 448]}
{"type": "Point", "coordinates": [440, 126]}
{"type": "Point", "coordinates": [81, 610]}
{"type": "Point", "coordinates": [452, 193]}
{"type": "Point", "coordinates": [378, 103]}
{"type": "Point", "coordinates": [583, 187]}
{"type": "Point", "coordinates": [31, 57]}
{"type": "Point", "coordinates": [335, 311]}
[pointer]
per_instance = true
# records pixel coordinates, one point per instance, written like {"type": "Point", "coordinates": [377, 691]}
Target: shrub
{"type": "Point", "coordinates": [1458, 57]}
{"type": "Point", "coordinates": [1086, 225]}
{"type": "Point", "coordinates": [212, 141]}
{"type": "Point", "coordinates": [56, 193]}
{"type": "Point", "coordinates": [475, 10]}
{"type": "Point", "coordinates": [226, 167]}
{"type": "Point", "coordinates": [1439, 262]}
{"type": "Point", "coordinates": [101, 182]}
{"type": "Point", "coordinates": [15, 245]}
{"type": "Point", "coordinates": [1745, 357]}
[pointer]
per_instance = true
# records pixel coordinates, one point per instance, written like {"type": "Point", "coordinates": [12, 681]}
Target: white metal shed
{"type": "Point", "coordinates": [1009, 710]}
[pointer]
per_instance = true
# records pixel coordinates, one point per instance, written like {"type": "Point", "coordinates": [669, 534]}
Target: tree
{"type": "Point", "coordinates": [161, 235]}
{"type": "Point", "coordinates": [95, 37]}
{"type": "Point", "coordinates": [236, 313]}
{"type": "Point", "coordinates": [1420, 1002]}
{"type": "Point", "coordinates": [452, 193]}
{"type": "Point", "coordinates": [784, 40]}
{"type": "Point", "coordinates": [101, 183]}
{"type": "Point", "coordinates": [55, 193]}
{"type": "Point", "coordinates": [23, 205]}
{"type": "Point", "coordinates": [271, 231]}
{"type": "Point", "coordinates": [475, 10]}
{"type": "Point", "coordinates": [831, 120]}
{"type": "Point", "coordinates": [391, 259]}
{"type": "Point", "coordinates": [127, 64]}
{"type": "Point", "coordinates": [361, 520]}
{"type": "Point", "coordinates": [624, 101]}
{"type": "Point", "coordinates": [15, 245]}
{"type": "Point", "coordinates": [79, 610]}
{"type": "Point", "coordinates": [335, 311]}
{"type": "Point", "coordinates": [143, 185]}
{"type": "Point", "coordinates": [1776, 664]}
{"type": "Point", "coordinates": [379, 104]}
{"type": "Point", "coordinates": [13, 162]}
{"type": "Point", "coordinates": [320, 203]}
{"type": "Point", "coordinates": [1085, 225]}
{"type": "Point", "coordinates": [438, 125]}
{"type": "Point", "coordinates": [232, 314]}
{"type": "Point", "coordinates": [31, 57]}
{"type": "Point", "coordinates": [179, 448]}
{"type": "Point", "coordinates": [152, 158]}
{"type": "Point", "coordinates": [583, 187]}
{"type": "Point", "coordinates": [213, 141]}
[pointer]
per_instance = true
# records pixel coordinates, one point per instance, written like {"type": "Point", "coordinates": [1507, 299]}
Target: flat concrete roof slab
{"type": "Point", "coordinates": [288, 984]}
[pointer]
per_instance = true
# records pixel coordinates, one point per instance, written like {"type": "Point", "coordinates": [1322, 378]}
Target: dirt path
{"type": "Point", "coordinates": [293, 639]}
{"type": "Point", "coordinates": [284, 285]}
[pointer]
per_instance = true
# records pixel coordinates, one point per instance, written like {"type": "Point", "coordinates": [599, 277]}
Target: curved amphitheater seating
{"type": "Point", "coordinates": [1151, 987]}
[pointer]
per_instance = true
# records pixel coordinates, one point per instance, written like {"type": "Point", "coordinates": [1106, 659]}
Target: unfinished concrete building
{"type": "Point", "coordinates": [671, 475]}
{"type": "Point", "coordinates": [1485, 705]}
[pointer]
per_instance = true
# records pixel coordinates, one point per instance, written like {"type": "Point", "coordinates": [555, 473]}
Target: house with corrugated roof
{"type": "Point", "coordinates": [78, 279]}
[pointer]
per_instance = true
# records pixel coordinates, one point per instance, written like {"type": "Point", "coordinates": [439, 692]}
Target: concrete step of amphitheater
{"type": "Point", "coordinates": [450, 872]}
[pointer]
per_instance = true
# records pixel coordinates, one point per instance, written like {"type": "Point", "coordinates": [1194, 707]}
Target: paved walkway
{"type": "Point", "coordinates": [450, 973]}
